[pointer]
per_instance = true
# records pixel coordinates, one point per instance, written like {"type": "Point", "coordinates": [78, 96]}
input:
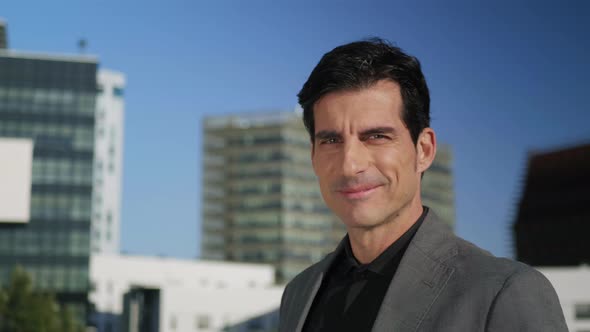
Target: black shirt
{"type": "Point", "coordinates": [351, 294]}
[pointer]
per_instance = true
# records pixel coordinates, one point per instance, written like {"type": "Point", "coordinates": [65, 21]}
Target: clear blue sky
{"type": "Point", "coordinates": [506, 78]}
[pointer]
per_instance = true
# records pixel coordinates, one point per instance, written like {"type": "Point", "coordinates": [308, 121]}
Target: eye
{"type": "Point", "coordinates": [377, 136]}
{"type": "Point", "coordinates": [329, 141]}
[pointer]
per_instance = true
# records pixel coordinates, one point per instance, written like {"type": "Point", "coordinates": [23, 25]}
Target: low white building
{"type": "Point", "coordinates": [572, 285]}
{"type": "Point", "coordinates": [191, 295]}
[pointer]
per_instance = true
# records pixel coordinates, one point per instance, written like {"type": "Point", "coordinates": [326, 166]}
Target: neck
{"type": "Point", "coordinates": [368, 243]}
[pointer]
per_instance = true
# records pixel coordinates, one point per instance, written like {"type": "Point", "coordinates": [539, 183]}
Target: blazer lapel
{"type": "Point", "coordinates": [307, 295]}
{"type": "Point", "coordinates": [420, 278]}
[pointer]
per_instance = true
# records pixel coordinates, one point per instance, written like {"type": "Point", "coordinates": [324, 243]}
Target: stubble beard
{"type": "Point", "coordinates": [393, 216]}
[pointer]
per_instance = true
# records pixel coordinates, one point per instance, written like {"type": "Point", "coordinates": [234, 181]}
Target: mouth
{"type": "Point", "coordinates": [357, 193]}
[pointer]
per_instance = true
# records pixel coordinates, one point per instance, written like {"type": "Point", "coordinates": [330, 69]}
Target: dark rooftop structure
{"type": "Point", "coordinates": [552, 225]}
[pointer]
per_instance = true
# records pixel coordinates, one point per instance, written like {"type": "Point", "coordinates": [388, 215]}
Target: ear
{"type": "Point", "coordinates": [426, 149]}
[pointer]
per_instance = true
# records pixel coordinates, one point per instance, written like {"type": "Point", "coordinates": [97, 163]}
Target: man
{"type": "Point", "coordinates": [366, 107]}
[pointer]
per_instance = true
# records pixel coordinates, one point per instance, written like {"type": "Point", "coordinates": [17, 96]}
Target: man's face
{"type": "Point", "coordinates": [363, 155]}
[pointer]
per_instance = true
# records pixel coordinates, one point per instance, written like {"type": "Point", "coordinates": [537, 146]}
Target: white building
{"type": "Point", "coordinates": [108, 162]}
{"type": "Point", "coordinates": [193, 295]}
{"type": "Point", "coordinates": [572, 285]}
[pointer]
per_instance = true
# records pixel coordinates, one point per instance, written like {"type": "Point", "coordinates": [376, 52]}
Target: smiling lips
{"type": "Point", "coordinates": [358, 192]}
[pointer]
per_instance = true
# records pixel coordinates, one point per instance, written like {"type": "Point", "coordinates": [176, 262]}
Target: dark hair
{"type": "Point", "coordinates": [361, 64]}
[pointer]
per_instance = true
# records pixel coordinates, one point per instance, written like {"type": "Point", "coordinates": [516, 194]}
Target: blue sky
{"type": "Point", "coordinates": [506, 78]}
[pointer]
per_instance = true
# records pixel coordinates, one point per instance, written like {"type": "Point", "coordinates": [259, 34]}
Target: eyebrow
{"type": "Point", "coordinates": [378, 130]}
{"type": "Point", "coordinates": [326, 134]}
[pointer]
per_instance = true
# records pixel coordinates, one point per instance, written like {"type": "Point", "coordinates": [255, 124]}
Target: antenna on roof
{"type": "Point", "coordinates": [3, 37]}
{"type": "Point", "coordinates": [82, 43]}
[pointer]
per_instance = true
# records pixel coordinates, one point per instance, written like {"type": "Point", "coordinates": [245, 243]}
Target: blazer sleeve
{"type": "Point", "coordinates": [526, 302]}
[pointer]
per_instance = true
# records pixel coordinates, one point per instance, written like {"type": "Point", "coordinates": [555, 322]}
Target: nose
{"type": "Point", "coordinates": [355, 158]}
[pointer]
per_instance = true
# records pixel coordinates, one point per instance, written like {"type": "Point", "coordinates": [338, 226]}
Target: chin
{"type": "Point", "coordinates": [363, 219]}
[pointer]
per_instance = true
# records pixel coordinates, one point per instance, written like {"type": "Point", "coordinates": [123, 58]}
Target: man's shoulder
{"type": "Point", "coordinates": [474, 261]}
{"type": "Point", "coordinates": [510, 295]}
{"type": "Point", "coordinates": [519, 296]}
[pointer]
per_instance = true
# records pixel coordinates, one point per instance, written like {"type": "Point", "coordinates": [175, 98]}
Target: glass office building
{"type": "Point", "coordinates": [261, 201]}
{"type": "Point", "coordinates": [51, 100]}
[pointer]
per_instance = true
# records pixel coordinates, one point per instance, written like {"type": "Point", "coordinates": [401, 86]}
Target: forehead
{"type": "Point", "coordinates": [376, 105]}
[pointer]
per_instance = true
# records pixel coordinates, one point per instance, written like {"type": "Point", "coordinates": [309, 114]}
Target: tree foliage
{"type": "Point", "coordinates": [22, 309]}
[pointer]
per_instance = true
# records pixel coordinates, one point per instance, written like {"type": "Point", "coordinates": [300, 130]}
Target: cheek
{"type": "Point", "coordinates": [322, 174]}
{"type": "Point", "coordinates": [388, 165]}
{"type": "Point", "coordinates": [321, 166]}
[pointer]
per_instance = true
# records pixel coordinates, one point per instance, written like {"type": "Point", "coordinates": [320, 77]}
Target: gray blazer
{"type": "Point", "coordinates": [444, 283]}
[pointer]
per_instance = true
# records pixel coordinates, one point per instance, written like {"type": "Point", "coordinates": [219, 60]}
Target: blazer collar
{"type": "Point", "coordinates": [313, 285]}
{"type": "Point", "coordinates": [420, 277]}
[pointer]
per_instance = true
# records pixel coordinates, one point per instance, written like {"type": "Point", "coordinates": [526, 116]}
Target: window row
{"type": "Point", "coordinates": [256, 256]}
{"type": "Point", "coordinates": [60, 171]}
{"type": "Point", "coordinates": [249, 203]}
{"type": "Point", "coordinates": [64, 136]}
{"type": "Point", "coordinates": [259, 187]}
{"type": "Point", "coordinates": [74, 244]}
{"type": "Point", "coordinates": [69, 206]}
{"type": "Point", "coordinates": [257, 236]}
{"type": "Point", "coordinates": [32, 111]}
{"type": "Point", "coordinates": [276, 171]}
{"type": "Point", "coordinates": [37, 96]}
{"type": "Point", "coordinates": [257, 218]}
{"type": "Point", "coordinates": [60, 278]}
{"type": "Point", "coordinates": [301, 221]}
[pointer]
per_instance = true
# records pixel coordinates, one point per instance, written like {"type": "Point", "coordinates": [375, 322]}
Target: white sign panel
{"type": "Point", "coordinates": [16, 159]}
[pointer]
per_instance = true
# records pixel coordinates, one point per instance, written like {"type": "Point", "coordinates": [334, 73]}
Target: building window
{"type": "Point", "coordinates": [582, 310]}
{"type": "Point", "coordinates": [173, 323]}
{"type": "Point", "coordinates": [255, 325]}
{"type": "Point", "coordinates": [110, 287]}
{"type": "Point", "coordinates": [202, 322]}
{"type": "Point", "coordinates": [118, 91]}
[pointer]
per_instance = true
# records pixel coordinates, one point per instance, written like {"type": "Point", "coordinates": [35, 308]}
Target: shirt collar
{"type": "Point", "coordinates": [383, 263]}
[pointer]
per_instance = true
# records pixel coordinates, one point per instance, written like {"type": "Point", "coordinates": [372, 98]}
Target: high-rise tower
{"type": "Point", "coordinates": [261, 201]}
